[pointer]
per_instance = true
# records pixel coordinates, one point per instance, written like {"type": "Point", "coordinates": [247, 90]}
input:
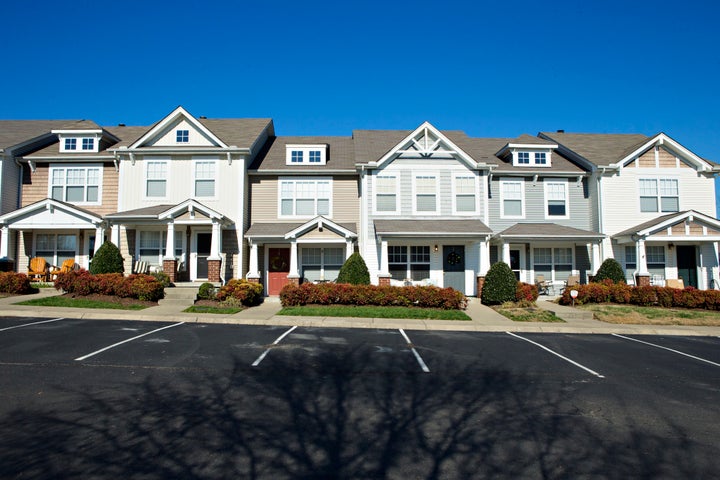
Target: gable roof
{"type": "Point", "coordinates": [601, 149]}
{"type": "Point", "coordinates": [49, 204]}
{"type": "Point", "coordinates": [547, 230]}
{"type": "Point", "coordinates": [319, 222]}
{"type": "Point", "coordinates": [280, 230]}
{"type": "Point", "coordinates": [664, 221]}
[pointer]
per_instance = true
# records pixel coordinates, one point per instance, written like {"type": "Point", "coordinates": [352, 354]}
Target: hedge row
{"type": "Point", "coordinates": [346, 294]}
{"type": "Point", "coordinates": [82, 282]}
{"type": "Point", "coordinates": [609, 292]}
{"type": "Point", "coordinates": [15, 283]}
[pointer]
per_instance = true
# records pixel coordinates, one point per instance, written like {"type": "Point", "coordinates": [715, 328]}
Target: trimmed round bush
{"type": "Point", "coordinates": [354, 271]}
{"type": "Point", "coordinates": [107, 260]}
{"type": "Point", "coordinates": [500, 285]}
{"type": "Point", "coordinates": [206, 291]}
{"type": "Point", "coordinates": [610, 270]}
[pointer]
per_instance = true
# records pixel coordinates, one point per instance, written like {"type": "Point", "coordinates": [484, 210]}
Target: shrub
{"type": "Point", "coordinates": [500, 285]}
{"type": "Point", "coordinates": [346, 294]}
{"type": "Point", "coordinates": [107, 260]}
{"type": "Point", "coordinates": [610, 270]}
{"type": "Point", "coordinates": [354, 271]}
{"type": "Point", "coordinates": [248, 293]}
{"type": "Point", "coordinates": [15, 283]}
{"type": "Point", "coordinates": [206, 291]}
{"type": "Point", "coordinates": [163, 278]}
{"type": "Point", "coordinates": [145, 287]}
{"type": "Point", "coordinates": [526, 292]}
{"type": "Point", "coordinates": [82, 282]}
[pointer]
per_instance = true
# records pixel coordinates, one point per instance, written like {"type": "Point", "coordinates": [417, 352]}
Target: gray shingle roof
{"type": "Point", "coordinates": [340, 154]}
{"type": "Point", "coordinates": [551, 230]}
{"type": "Point", "coordinates": [281, 229]}
{"type": "Point", "coordinates": [649, 223]}
{"type": "Point", "coordinates": [15, 132]}
{"type": "Point", "coordinates": [602, 149]}
{"type": "Point", "coordinates": [152, 211]}
{"type": "Point", "coordinates": [431, 227]}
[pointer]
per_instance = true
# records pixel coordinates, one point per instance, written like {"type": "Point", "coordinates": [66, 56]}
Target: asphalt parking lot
{"type": "Point", "coordinates": [109, 399]}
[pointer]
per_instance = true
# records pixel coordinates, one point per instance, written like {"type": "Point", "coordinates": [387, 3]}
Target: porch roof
{"type": "Point", "coordinates": [662, 223]}
{"type": "Point", "coordinates": [144, 213]}
{"type": "Point", "coordinates": [547, 231]}
{"type": "Point", "coordinates": [42, 214]}
{"type": "Point", "coordinates": [423, 228]}
{"type": "Point", "coordinates": [280, 230]}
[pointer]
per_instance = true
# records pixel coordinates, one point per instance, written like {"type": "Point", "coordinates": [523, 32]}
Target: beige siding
{"type": "Point", "coordinates": [647, 159]}
{"type": "Point", "coordinates": [666, 159]}
{"type": "Point", "coordinates": [263, 199]}
{"type": "Point", "coordinates": [35, 184]}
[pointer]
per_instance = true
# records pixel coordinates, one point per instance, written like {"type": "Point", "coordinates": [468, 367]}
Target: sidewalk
{"type": "Point", "coordinates": [483, 319]}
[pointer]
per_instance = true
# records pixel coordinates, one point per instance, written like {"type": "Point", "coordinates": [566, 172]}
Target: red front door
{"type": "Point", "coordinates": [278, 269]}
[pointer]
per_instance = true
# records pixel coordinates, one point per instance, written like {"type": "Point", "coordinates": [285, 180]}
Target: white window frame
{"type": "Point", "coordinates": [396, 176]}
{"type": "Point", "coordinates": [476, 193]}
{"type": "Point", "coordinates": [146, 165]}
{"type": "Point", "coordinates": [86, 168]}
{"type": "Point", "coordinates": [504, 181]}
{"type": "Point", "coordinates": [305, 149]}
{"type": "Point", "coordinates": [323, 259]}
{"type": "Point", "coordinates": [54, 234]}
{"type": "Point", "coordinates": [556, 181]}
{"type": "Point", "coordinates": [532, 158]}
{"type": "Point", "coordinates": [178, 135]}
{"type": "Point", "coordinates": [658, 193]}
{"type": "Point", "coordinates": [435, 176]}
{"type": "Point", "coordinates": [407, 251]}
{"type": "Point", "coordinates": [79, 143]}
{"type": "Point", "coordinates": [158, 262]}
{"type": "Point", "coordinates": [294, 181]}
{"type": "Point", "coordinates": [553, 259]}
{"type": "Point", "coordinates": [216, 164]}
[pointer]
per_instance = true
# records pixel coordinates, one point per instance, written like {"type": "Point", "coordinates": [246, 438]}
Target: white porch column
{"type": "Point", "coordinates": [505, 252]}
{"type": "Point", "coordinates": [115, 235]}
{"type": "Point", "coordinates": [484, 258]}
{"type": "Point", "coordinates": [99, 234]}
{"type": "Point", "coordinates": [384, 266]}
{"type": "Point", "coordinates": [170, 243]}
{"type": "Point", "coordinates": [215, 242]}
{"type": "Point", "coordinates": [348, 248]}
{"type": "Point", "coordinates": [4, 239]}
{"type": "Point", "coordinates": [641, 258]}
{"type": "Point", "coordinates": [253, 271]}
{"type": "Point", "coordinates": [595, 259]}
{"type": "Point", "coordinates": [293, 259]}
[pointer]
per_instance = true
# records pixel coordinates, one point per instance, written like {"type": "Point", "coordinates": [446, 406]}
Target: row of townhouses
{"type": "Point", "coordinates": [213, 199]}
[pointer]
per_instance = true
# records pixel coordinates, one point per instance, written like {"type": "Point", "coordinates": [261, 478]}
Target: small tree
{"type": "Point", "coordinates": [354, 271]}
{"type": "Point", "coordinates": [610, 270]}
{"type": "Point", "coordinates": [107, 260]}
{"type": "Point", "coordinates": [500, 285]}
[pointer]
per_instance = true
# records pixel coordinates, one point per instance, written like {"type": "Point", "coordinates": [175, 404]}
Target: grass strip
{"type": "Point", "coordinates": [636, 315]}
{"type": "Point", "coordinates": [59, 301]}
{"type": "Point", "coordinates": [529, 315]}
{"type": "Point", "coordinates": [208, 309]}
{"type": "Point", "coordinates": [374, 312]}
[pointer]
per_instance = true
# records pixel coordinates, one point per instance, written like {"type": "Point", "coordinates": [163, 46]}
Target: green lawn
{"type": "Point", "coordinates": [207, 309]}
{"type": "Point", "coordinates": [60, 301]}
{"type": "Point", "coordinates": [374, 312]}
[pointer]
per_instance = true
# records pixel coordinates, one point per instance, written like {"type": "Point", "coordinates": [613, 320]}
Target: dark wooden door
{"type": "Point", "coordinates": [278, 269]}
{"type": "Point", "coordinates": [454, 267]}
{"type": "Point", "coordinates": [687, 265]}
{"type": "Point", "coordinates": [204, 241]}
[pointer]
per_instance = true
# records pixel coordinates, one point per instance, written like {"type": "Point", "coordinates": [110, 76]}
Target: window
{"type": "Point", "coordinates": [556, 198]}
{"type": "Point", "coordinates": [418, 268]}
{"type": "Point", "coordinates": [55, 249]}
{"type": "Point", "coordinates": [321, 263]}
{"type": "Point", "coordinates": [149, 247]}
{"type": "Point", "coordinates": [156, 175]}
{"type": "Point", "coordinates": [182, 136]}
{"type": "Point", "coordinates": [465, 194]}
{"type": "Point", "coordinates": [524, 158]}
{"type": "Point", "coordinates": [205, 178]}
{"type": "Point", "coordinates": [540, 158]}
{"type": "Point", "coordinates": [666, 196]}
{"type": "Point", "coordinates": [77, 184]}
{"type": "Point", "coordinates": [512, 196]}
{"type": "Point", "coordinates": [655, 256]}
{"type": "Point", "coordinates": [555, 263]}
{"type": "Point", "coordinates": [386, 194]}
{"type": "Point", "coordinates": [71, 144]}
{"type": "Point", "coordinates": [425, 194]}
{"type": "Point", "coordinates": [305, 198]}
{"type": "Point", "coordinates": [305, 154]}
{"type": "Point", "coordinates": [630, 258]}
{"type": "Point", "coordinates": [529, 157]}
{"type": "Point", "coordinates": [88, 144]}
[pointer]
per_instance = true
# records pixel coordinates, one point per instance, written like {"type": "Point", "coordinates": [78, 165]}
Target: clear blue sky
{"type": "Point", "coordinates": [488, 68]}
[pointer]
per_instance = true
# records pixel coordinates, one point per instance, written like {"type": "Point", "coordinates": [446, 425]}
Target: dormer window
{"type": "Point", "coordinates": [84, 140]}
{"type": "Point", "coordinates": [531, 158]}
{"type": "Point", "coordinates": [305, 154]}
{"type": "Point", "coordinates": [524, 158]}
{"type": "Point", "coordinates": [540, 158]}
{"type": "Point", "coordinates": [70, 144]}
{"type": "Point", "coordinates": [182, 136]}
{"type": "Point", "coordinates": [88, 144]}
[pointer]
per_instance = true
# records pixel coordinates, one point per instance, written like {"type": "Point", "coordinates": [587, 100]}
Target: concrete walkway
{"type": "Point", "coordinates": [483, 318]}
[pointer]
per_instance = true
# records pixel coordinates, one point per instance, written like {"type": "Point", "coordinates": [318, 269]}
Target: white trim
{"type": "Point", "coordinates": [294, 181]}
{"type": "Point", "coordinates": [396, 176]}
{"type": "Point", "coordinates": [661, 139]}
{"type": "Point", "coordinates": [321, 221]}
{"type": "Point", "coordinates": [552, 246]}
{"type": "Point", "coordinates": [146, 163]}
{"type": "Point", "coordinates": [85, 166]}
{"type": "Point", "coordinates": [46, 204]}
{"type": "Point", "coordinates": [68, 232]}
{"type": "Point", "coordinates": [453, 190]}
{"type": "Point", "coordinates": [559, 181]}
{"type": "Point", "coordinates": [658, 195]}
{"type": "Point", "coordinates": [166, 122]}
{"type": "Point", "coordinates": [434, 175]}
{"type": "Point", "coordinates": [216, 165]}
{"type": "Point", "coordinates": [503, 181]}
{"type": "Point", "coordinates": [306, 149]}
{"type": "Point", "coordinates": [532, 157]}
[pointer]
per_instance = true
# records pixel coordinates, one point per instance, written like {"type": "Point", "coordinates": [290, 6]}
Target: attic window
{"type": "Point", "coordinates": [88, 144]}
{"type": "Point", "coordinates": [305, 154]}
{"type": "Point", "coordinates": [182, 136]}
{"type": "Point", "coordinates": [531, 158]}
{"type": "Point", "coordinates": [70, 144]}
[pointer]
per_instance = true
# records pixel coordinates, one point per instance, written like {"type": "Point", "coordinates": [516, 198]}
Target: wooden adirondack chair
{"type": "Point", "coordinates": [67, 266]}
{"type": "Point", "coordinates": [38, 269]}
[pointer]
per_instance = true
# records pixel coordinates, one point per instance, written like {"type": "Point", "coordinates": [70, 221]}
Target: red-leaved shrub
{"type": "Point", "coordinates": [665, 297]}
{"type": "Point", "coordinates": [526, 292]}
{"type": "Point", "coordinates": [139, 286]}
{"type": "Point", "coordinates": [247, 293]}
{"type": "Point", "coordinates": [15, 283]}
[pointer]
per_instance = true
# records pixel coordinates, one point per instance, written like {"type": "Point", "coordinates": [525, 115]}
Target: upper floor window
{"type": "Point", "coordinates": [88, 144]}
{"type": "Point", "coordinates": [540, 158]}
{"type": "Point", "coordinates": [659, 193]}
{"type": "Point", "coordinates": [531, 158]}
{"type": "Point", "coordinates": [182, 136]}
{"type": "Point", "coordinates": [156, 174]}
{"type": "Point", "coordinates": [512, 198]}
{"type": "Point", "coordinates": [556, 198]}
{"type": "Point", "coordinates": [305, 197]}
{"type": "Point", "coordinates": [76, 184]}
{"type": "Point", "coordinates": [305, 154]}
{"type": "Point", "coordinates": [465, 195]}
{"type": "Point", "coordinates": [524, 158]}
{"type": "Point", "coordinates": [70, 144]}
{"type": "Point", "coordinates": [205, 174]}
{"type": "Point", "coordinates": [425, 194]}
{"type": "Point", "coordinates": [386, 189]}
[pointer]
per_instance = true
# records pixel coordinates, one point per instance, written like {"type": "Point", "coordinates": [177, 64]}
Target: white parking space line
{"type": "Point", "coordinates": [33, 323]}
{"type": "Point", "coordinates": [668, 349]}
{"type": "Point", "coordinates": [79, 359]}
{"type": "Point", "coordinates": [278, 340]}
{"type": "Point", "coordinates": [593, 372]}
{"type": "Point", "coordinates": [417, 355]}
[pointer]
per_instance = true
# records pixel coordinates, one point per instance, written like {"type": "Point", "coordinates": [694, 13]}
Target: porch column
{"type": "Point", "coordinates": [641, 274]}
{"type": "Point", "coordinates": [595, 260]}
{"type": "Point", "coordinates": [348, 248]}
{"type": "Point", "coordinates": [253, 272]}
{"type": "Point", "coordinates": [484, 258]}
{"type": "Point", "coordinates": [215, 241]}
{"type": "Point", "coordinates": [4, 238]}
{"type": "Point", "coordinates": [384, 274]}
{"type": "Point", "coordinates": [170, 242]}
{"type": "Point", "coordinates": [99, 234]}
{"type": "Point", "coordinates": [115, 235]}
{"type": "Point", "coordinates": [505, 252]}
{"type": "Point", "coordinates": [293, 260]}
